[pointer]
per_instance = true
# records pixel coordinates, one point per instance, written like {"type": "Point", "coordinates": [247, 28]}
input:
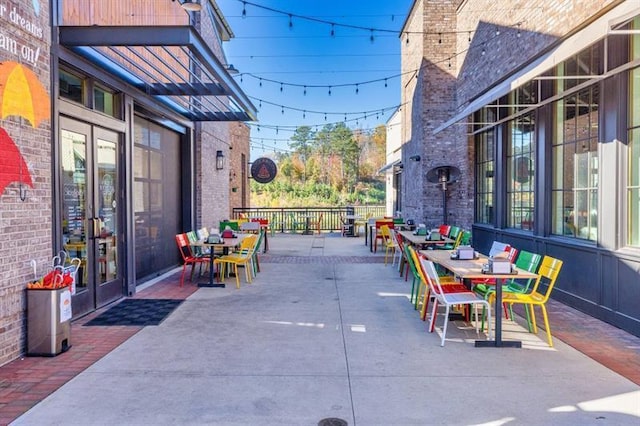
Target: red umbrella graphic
{"type": "Point", "coordinates": [21, 95]}
{"type": "Point", "coordinates": [12, 166]}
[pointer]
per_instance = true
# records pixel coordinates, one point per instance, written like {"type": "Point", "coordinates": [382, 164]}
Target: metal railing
{"type": "Point", "coordinates": [287, 219]}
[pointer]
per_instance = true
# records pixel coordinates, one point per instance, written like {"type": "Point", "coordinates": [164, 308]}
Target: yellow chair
{"type": "Point", "coordinates": [549, 270]}
{"type": "Point", "coordinates": [388, 242]}
{"type": "Point", "coordinates": [244, 258]}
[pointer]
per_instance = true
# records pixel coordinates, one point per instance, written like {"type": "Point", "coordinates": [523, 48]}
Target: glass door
{"type": "Point", "coordinates": [91, 212]}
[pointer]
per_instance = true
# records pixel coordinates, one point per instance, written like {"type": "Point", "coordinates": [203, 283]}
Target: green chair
{"type": "Point", "coordinates": [230, 223]}
{"type": "Point", "coordinates": [527, 261]}
{"type": "Point", "coordinates": [455, 233]}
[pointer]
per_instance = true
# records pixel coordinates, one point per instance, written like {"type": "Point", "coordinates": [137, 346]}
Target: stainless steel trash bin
{"type": "Point", "coordinates": [48, 321]}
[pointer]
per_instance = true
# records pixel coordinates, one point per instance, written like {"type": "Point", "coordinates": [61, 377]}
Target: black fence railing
{"type": "Point", "coordinates": [285, 219]}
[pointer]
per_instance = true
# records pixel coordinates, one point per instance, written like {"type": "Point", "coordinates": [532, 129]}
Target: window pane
{"type": "Point", "coordinates": [484, 177]}
{"type": "Point", "coordinates": [521, 173]}
{"type": "Point", "coordinates": [105, 101]}
{"type": "Point", "coordinates": [575, 165]}
{"type": "Point", "coordinates": [71, 87]}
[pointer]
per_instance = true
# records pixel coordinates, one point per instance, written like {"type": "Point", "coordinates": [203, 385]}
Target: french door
{"type": "Point", "coordinates": [91, 210]}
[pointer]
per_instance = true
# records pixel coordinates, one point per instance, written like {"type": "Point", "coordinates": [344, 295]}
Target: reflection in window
{"type": "Point", "coordinates": [575, 165]}
{"type": "Point", "coordinates": [71, 87]}
{"type": "Point", "coordinates": [105, 101]}
{"type": "Point", "coordinates": [521, 172]}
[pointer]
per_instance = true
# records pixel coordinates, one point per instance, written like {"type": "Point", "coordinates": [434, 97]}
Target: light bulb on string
{"type": "Point", "coordinates": [258, 127]}
{"type": "Point", "coordinates": [345, 117]}
{"type": "Point", "coordinates": [333, 32]}
{"type": "Point", "coordinates": [241, 78]}
{"type": "Point", "coordinates": [325, 116]}
{"type": "Point", "coordinates": [371, 36]}
{"type": "Point", "coordinates": [385, 82]}
{"type": "Point", "coordinates": [305, 91]}
{"type": "Point", "coordinates": [469, 38]}
{"type": "Point", "coordinates": [497, 31]}
{"type": "Point", "coordinates": [290, 21]}
{"type": "Point", "coordinates": [407, 40]}
{"type": "Point", "coordinates": [281, 87]}
{"type": "Point", "coordinates": [276, 130]}
{"type": "Point", "coordinates": [449, 62]}
{"type": "Point", "coordinates": [439, 38]}
{"type": "Point", "coordinates": [260, 103]}
{"type": "Point", "coordinates": [357, 90]}
{"type": "Point", "coordinates": [282, 110]}
{"type": "Point", "coordinates": [329, 90]}
{"type": "Point", "coordinates": [304, 114]}
{"type": "Point", "coordinates": [244, 9]}
{"type": "Point", "coordinates": [260, 82]}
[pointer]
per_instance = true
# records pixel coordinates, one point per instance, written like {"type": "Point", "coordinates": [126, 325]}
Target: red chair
{"type": "Point", "coordinates": [379, 236]}
{"type": "Point", "coordinates": [444, 230]}
{"type": "Point", "coordinates": [188, 258]}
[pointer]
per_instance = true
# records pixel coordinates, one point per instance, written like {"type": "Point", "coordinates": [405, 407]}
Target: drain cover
{"type": "Point", "coordinates": [332, 421]}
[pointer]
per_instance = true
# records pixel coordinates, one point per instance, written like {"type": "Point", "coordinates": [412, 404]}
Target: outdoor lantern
{"type": "Point", "coordinates": [219, 160]}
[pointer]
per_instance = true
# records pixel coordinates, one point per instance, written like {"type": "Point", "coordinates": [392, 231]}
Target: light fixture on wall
{"type": "Point", "coordinates": [414, 158]}
{"type": "Point", "coordinates": [219, 160]}
{"type": "Point", "coordinates": [232, 70]}
{"type": "Point", "coordinates": [190, 5]}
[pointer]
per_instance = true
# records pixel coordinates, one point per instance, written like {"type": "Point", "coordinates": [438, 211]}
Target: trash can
{"type": "Point", "coordinates": [48, 321]}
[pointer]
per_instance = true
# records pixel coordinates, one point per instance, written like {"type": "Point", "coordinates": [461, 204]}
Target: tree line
{"type": "Point", "coordinates": [330, 166]}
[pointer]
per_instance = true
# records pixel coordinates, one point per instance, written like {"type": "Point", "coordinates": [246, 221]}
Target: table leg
{"type": "Point", "coordinates": [498, 342]}
{"type": "Point", "coordinates": [211, 274]}
{"type": "Point", "coordinates": [307, 226]}
{"type": "Point", "coordinates": [265, 247]}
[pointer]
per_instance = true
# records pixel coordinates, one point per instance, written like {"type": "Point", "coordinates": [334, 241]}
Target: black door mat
{"type": "Point", "coordinates": [137, 312]}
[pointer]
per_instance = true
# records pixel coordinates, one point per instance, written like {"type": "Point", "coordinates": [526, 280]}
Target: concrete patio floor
{"type": "Point", "coordinates": [327, 331]}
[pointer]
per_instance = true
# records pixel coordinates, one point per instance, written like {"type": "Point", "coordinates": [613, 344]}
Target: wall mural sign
{"type": "Point", "coordinates": [264, 170]}
{"type": "Point", "coordinates": [22, 95]}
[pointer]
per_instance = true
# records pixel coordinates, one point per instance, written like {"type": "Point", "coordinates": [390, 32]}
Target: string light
{"type": "Point", "coordinates": [333, 31]}
{"type": "Point", "coordinates": [290, 22]}
{"type": "Point", "coordinates": [357, 90]}
{"type": "Point", "coordinates": [244, 9]}
{"type": "Point", "coordinates": [371, 36]}
{"type": "Point", "coordinates": [439, 38]}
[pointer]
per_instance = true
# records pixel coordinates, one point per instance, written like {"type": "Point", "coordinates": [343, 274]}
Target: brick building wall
{"type": "Point", "coordinates": [464, 48]}
{"type": "Point", "coordinates": [212, 186]}
{"type": "Point", "coordinates": [25, 222]}
{"type": "Point", "coordinates": [238, 166]}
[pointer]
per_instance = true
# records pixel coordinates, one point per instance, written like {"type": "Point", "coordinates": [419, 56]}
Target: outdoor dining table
{"type": "Point", "coordinates": [225, 244]}
{"type": "Point", "coordinates": [471, 269]}
{"type": "Point", "coordinates": [421, 241]}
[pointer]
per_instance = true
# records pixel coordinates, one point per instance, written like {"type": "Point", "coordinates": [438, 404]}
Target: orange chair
{"type": "Point", "coordinates": [317, 224]}
{"type": "Point", "coordinates": [188, 258]}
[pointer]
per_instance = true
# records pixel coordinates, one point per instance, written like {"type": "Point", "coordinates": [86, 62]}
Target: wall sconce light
{"type": "Point", "coordinates": [190, 5]}
{"type": "Point", "coordinates": [219, 160]}
{"type": "Point", "coordinates": [414, 158]}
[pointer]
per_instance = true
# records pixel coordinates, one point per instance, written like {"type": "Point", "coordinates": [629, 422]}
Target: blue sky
{"type": "Point", "coordinates": [305, 53]}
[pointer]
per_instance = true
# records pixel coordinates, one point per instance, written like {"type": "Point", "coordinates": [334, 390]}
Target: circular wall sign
{"type": "Point", "coordinates": [263, 170]}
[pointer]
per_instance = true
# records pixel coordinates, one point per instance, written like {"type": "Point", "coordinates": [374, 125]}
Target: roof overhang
{"type": "Point", "coordinates": [554, 56]}
{"type": "Point", "coordinates": [173, 64]}
{"type": "Point", "coordinates": [389, 166]}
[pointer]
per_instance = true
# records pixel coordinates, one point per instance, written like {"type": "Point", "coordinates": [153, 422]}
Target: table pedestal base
{"type": "Point", "coordinates": [210, 285]}
{"type": "Point", "coordinates": [494, 344]}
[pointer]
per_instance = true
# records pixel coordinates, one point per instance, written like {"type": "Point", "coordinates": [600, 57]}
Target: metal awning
{"type": "Point", "coordinates": [559, 53]}
{"type": "Point", "coordinates": [387, 166]}
{"type": "Point", "coordinates": [173, 64]}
